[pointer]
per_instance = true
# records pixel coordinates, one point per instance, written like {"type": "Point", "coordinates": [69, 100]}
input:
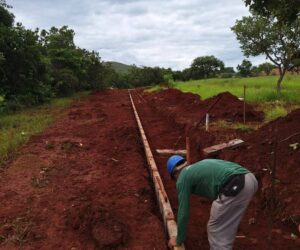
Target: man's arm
{"type": "Point", "coordinates": [183, 211]}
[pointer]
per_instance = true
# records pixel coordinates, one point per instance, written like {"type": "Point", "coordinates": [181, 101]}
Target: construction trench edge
{"type": "Point", "coordinates": [161, 195]}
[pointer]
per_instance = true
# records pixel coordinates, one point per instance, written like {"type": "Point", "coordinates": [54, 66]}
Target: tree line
{"type": "Point", "coordinates": [37, 65]}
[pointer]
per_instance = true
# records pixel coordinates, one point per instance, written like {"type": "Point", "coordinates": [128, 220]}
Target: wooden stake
{"type": "Point", "coordinates": [207, 122]}
{"type": "Point", "coordinates": [188, 150]}
{"type": "Point", "coordinates": [244, 104]}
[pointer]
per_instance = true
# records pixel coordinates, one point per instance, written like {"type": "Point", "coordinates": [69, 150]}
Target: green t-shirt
{"type": "Point", "coordinates": [203, 178]}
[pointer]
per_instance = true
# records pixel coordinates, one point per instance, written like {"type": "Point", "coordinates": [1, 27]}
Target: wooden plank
{"type": "Point", "coordinates": [161, 195]}
{"type": "Point", "coordinates": [171, 151]}
{"type": "Point", "coordinates": [216, 149]}
{"type": "Point", "coordinates": [209, 151]}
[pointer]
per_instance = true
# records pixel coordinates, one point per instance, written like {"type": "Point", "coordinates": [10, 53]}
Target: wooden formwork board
{"type": "Point", "coordinates": [209, 151]}
{"type": "Point", "coordinates": [161, 195]}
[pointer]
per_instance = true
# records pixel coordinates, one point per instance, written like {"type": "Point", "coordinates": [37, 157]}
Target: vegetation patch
{"type": "Point", "coordinates": [258, 89]}
{"type": "Point", "coordinates": [274, 113]}
{"type": "Point", "coordinates": [246, 128]}
{"type": "Point", "coordinates": [17, 231]}
{"type": "Point", "coordinates": [16, 128]}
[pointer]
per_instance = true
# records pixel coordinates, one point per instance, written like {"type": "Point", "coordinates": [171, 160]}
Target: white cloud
{"type": "Point", "coordinates": [168, 33]}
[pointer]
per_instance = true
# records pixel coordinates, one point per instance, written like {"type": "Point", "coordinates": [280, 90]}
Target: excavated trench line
{"type": "Point", "coordinates": [161, 195]}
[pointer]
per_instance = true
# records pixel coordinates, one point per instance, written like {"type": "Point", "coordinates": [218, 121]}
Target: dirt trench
{"type": "Point", "coordinates": [161, 117]}
{"type": "Point", "coordinates": [82, 184]}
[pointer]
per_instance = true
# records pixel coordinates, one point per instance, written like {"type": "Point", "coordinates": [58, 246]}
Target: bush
{"type": "Point", "coordinates": [65, 83]}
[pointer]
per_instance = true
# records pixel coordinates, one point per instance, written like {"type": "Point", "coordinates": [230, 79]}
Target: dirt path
{"type": "Point", "coordinates": [82, 184]}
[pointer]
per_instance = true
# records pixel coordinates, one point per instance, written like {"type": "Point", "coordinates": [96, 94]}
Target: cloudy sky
{"type": "Point", "coordinates": [165, 33]}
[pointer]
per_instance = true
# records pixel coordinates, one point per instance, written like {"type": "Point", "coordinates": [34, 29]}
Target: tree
{"type": "Point", "coordinates": [23, 72]}
{"type": "Point", "coordinates": [286, 11]}
{"type": "Point", "coordinates": [187, 74]}
{"type": "Point", "coordinates": [266, 67]}
{"type": "Point", "coordinates": [96, 72]}
{"type": "Point", "coordinates": [227, 72]}
{"type": "Point", "coordinates": [206, 66]}
{"type": "Point", "coordinates": [6, 18]}
{"type": "Point", "coordinates": [245, 68]}
{"type": "Point", "coordinates": [264, 35]}
{"type": "Point", "coordinates": [66, 64]}
{"type": "Point", "coordinates": [296, 62]}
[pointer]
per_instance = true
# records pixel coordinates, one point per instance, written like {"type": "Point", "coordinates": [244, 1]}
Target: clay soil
{"type": "Point", "coordinates": [170, 115]}
{"type": "Point", "coordinates": [84, 184]}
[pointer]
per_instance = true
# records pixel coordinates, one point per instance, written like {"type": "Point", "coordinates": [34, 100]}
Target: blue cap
{"type": "Point", "coordinates": [173, 162]}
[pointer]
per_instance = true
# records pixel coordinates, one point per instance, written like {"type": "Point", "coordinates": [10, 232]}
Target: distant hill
{"type": "Point", "coordinates": [120, 67]}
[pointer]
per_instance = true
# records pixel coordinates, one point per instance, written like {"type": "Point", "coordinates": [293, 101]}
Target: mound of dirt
{"type": "Point", "coordinates": [174, 97]}
{"type": "Point", "coordinates": [229, 107]}
{"type": "Point", "coordinates": [258, 152]}
{"type": "Point", "coordinates": [258, 156]}
{"type": "Point", "coordinates": [187, 108]}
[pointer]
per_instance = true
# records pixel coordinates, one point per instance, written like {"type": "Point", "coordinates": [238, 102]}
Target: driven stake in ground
{"type": "Point", "coordinates": [230, 185]}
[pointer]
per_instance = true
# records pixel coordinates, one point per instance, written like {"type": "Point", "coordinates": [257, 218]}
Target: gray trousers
{"type": "Point", "coordinates": [226, 214]}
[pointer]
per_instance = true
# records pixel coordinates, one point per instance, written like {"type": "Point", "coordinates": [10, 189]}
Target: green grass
{"type": "Point", "coordinates": [274, 113]}
{"type": "Point", "coordinates": [16, 129]}
{"type": "Point", "coordinates": [246, 128]}
{"type": "Point", "coordinates": [258, 89]}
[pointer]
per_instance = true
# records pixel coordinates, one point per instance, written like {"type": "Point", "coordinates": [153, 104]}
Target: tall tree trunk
{"type": "Point", "coordinates": [282, 73]}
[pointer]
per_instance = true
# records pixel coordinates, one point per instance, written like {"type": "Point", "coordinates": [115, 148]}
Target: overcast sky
{"type": "Point", "coordinates": [165, 33]}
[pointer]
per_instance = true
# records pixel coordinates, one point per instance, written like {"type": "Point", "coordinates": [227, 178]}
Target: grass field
{"type": "Point", "coordinates": [16, 129]}
{"type": "Point", "coordinates": [258, 89]}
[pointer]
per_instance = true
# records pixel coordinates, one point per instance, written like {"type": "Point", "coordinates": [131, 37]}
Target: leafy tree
{"type": "Point", "coordinates": [177, 75]}
{"type": "Point", "coordinates": [6, 18]}
{"type": "Point", "coordinates": [266, 67]}
{"type": "Point", "coordinates": [96, 71]}
{"type": "Point", "coordinates": [286, 11]}
{"type": "Point", "coordinates": [245, 68]}
{"type": "Point", "coordinates": [58, 38]}
{"type": "Point", "coordinates": [145, 76]}
{"type": "Point", "coordinates": [187, 74]}
{"type": "Point", "coordinates": [36, 65]}
{"type": "Point", "coordinates": [296, 62]}
{"type": "Point", "coordinates": [23, 72]}
{"type": "Point", "coordinates": [227, 72]}
{"type": "Point", "coordinates": [66, 63]}
{"type": "Point", "coordinates": [261, 35]}
{"type": "Point", "coordinates": [206, 66]}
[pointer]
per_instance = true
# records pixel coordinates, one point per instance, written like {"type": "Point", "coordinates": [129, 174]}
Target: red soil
{"type": "Point", "coordinates": [82, 184]}
{"type": "Point", "coordinates": [187, 108]}
{"type": "Point", "coordinates": [164, 132]}
{"type": "Point", "coordinates": [258, 156]}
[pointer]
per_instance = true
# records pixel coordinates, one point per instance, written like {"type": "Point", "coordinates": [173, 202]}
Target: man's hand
{"type": "Point", "coordinates": [172, 243]}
